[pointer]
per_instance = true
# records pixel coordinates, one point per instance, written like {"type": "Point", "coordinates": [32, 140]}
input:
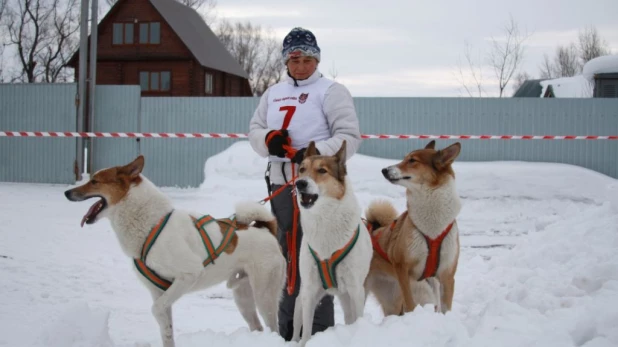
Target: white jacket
{"type": "Point", "coordinates": [338, 116]}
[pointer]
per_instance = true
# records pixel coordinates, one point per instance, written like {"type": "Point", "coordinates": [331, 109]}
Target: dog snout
{"type": "Point", "coordinates": [301, 184]}
{"type": "Point", "coordinates": [71, 195]}
{"type": "Point", "coordinates": [385, 172]}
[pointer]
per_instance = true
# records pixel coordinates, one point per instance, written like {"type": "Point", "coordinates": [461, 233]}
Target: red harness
{"type": "Point", "coordinates": [433, 253]}
{"type": "Point", "coordinates": [375, 240]}
{"type": "Point", "coordinates": [433, 249]}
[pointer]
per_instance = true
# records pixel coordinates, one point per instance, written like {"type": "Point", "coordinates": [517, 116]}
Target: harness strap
{"type": "Point", "coordinates": [375, 240]}
{"type": "Point", "coordinates": [140, 263]}
{"type": "Point", "coordinates": [229, 233]}
{"type": "Point", "coordinates": [200, 224]}
{"type": "Point", "coordinates": [292, 240]}
{"type": "Point", "coordinates": [327, 268]}
{"type": "Point", "coordinates": [433, 253]}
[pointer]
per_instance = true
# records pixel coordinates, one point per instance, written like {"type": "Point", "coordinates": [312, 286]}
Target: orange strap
{"type": "Point", "coordinates": [292, 240]}
{"type": "Point", "coordinates": [327, 268]}
{"type": "Point", "coordinates": [213, 253]}
{"type": "Point", "coordinates": [433, 253]}
{"type": "Point", "coordinates": [375, 240]}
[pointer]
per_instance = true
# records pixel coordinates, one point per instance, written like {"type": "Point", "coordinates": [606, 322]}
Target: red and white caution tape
{"type": "Point", "coordinates": [238, 136]}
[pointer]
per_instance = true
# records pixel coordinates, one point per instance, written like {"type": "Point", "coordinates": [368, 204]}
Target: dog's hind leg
{"type": "Point", "coordinates": [245, 301]}
{"type": "Point", "coordinates": [347, 307]}
{"type": "Point", "coordinates": [266, 284]}
{"type": "Point", "coordinates": [353, 303]}
{"type": "Point", "coordinates": [162, 306]}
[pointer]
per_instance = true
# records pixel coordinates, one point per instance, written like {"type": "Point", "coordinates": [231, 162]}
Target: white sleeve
{"type": "Point", "coordinates": [258, 127]}
{"type": "Point", "coordinates": [342, 120]}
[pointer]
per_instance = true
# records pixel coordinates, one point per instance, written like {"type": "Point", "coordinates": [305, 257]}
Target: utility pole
{"type": "Point", "coordinates": [93, 77]}
{"type": "Point", "coordinates": [81, 86]}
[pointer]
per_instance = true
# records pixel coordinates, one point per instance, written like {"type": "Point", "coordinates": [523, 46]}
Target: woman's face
{"type": "Point", "coordinates": [302, 67]}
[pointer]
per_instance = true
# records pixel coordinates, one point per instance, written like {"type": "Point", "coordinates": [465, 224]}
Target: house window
{"type": "Point", "coordinates": [155, 81]}
{"type": "Point", "coordinates": [123, 33]}
{"type": "Point", "coordinates": [150, 33]}
{"type": "Point", "coordinates": [208, 83]}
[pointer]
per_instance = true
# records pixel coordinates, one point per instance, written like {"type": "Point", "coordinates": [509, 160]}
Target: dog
{"type": "Point", "coordinates": [335, 251]}
{"type": "Point", "coordinates": [176, 252]}
{"type": "Point", "coordinates": [416, 253]}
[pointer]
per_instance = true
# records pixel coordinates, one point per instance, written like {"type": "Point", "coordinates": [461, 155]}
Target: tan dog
{"type": "Point", "coordinates": [415, 255]}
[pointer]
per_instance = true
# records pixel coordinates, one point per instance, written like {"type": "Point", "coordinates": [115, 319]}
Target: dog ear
{"type": "Point", "coordinates": [431, 145]}
{"type": "Point", "coordinates": [340, 156]}
{"type": "Point", "coordinates": [311, 150]}
{"type": "Point", "coordinates": [341, 153]}
{"type": "Point", "coordinates": [447, 156]}
{"type": "Point", "coordinates": [134, 168]}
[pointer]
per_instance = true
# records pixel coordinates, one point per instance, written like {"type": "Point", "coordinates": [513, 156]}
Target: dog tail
{"type": "Point", "coordinates": [250, 211]}
{"type": "Point", "coordinates": [380, 213]}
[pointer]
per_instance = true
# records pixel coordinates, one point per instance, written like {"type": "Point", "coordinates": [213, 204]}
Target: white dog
{"type": "Point", "coordinates": [176, 252]}
{"type": "Point", "coordinates": [336, 248]}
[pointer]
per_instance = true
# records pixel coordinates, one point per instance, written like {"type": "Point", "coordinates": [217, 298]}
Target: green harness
{"type": "Point", "coordinates": [200, 224]}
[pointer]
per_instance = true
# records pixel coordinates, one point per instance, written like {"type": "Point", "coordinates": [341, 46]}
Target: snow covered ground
{"type": "Point", "coordinates": [539, 265]}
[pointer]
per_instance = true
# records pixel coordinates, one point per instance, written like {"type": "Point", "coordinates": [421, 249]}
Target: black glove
{"type": "Point", "coordinates": [300, 155]}
{"type": "Point", "coordinates": [275, 140]}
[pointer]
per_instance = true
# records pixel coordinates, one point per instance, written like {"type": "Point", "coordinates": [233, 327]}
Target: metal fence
{"type": "Point", "coordinates": [32, 107]}
{"type": "Point", "coordinates": [121, 109]}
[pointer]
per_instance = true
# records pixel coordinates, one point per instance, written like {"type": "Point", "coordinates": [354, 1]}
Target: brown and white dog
{"type": "Point", "coordinates": [416, 253]}
{"type": "Point", "coordinates": [176, 252]}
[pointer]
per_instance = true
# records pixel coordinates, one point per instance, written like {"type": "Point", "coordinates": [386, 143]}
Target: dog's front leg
{"type": "Point", "coordinates": [162, 306]}
{"type": "Point", "coordinates": [403, 276]}
{"type": "Point", "coordinates": [298, 317]}
{"type": "Point", "coordinates": [310, 297]}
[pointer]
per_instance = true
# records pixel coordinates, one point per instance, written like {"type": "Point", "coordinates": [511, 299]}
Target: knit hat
{"type": "Point", "coordinates": [300, 42]}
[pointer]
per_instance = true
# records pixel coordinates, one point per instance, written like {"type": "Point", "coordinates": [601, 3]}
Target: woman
{"type": "Point", "coordinates": [305, 107]}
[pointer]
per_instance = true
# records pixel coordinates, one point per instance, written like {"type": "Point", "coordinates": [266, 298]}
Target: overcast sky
{"type": "Point", "coordinates": [411, 48]}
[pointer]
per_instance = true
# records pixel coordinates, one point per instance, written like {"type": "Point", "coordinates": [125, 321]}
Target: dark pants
{"type": "Point", "coordinates": [283, 209]}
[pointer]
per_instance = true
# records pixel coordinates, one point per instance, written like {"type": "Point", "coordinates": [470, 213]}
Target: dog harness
{"type": "Point", "coordinates": [375, 239]}
{"type": "Point", "coordinates": [433, 253]}
{"type": "Point", "coordinates": [433, 249]}
{"type": "Point", "coordinates": [328, 267]}
{"type": "Point", "coordinates": [200, 224]}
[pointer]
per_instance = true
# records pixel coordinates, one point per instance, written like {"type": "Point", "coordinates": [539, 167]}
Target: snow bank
{"type": "Point", "coordinates": [79, 326]}
{"type": "Point", "coordinates": [538, 265]}
{"type": "Point", "coordinates": [604, 64]}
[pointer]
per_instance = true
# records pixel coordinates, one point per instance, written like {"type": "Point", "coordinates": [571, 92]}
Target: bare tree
{"type": "Point", "coordinates": [547, 68]}
{"type": "Point", "coordinates": [506, 55]}
{"type": "Point", "coordinates": [63, 42]}
{"type": "Point", "coordinates": [520, 78]}
{"type": "Point", "coordinates": [26, 28]}
{"type": "Point", "coordinates": [566, 62]}
{"type": "Point", "coordinates": [256, 50]}
{"type": "Point", "coordinates": [590, 45]}
{"type": "Point", "coordinates": [472, 82]}
{"type": "Point", "coordinates": [569, 60]}
{"type": "Point", "coordinates": [43, 34]}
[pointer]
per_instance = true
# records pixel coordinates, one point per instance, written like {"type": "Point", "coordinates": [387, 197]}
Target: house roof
{"type": "Point", "coordinates": [569, 87]}
{"type": "Point", "coordinates": [194, 33]}
{"type": "Point", "coordinates": [198, 37]}
{"type": "Point", "coordinates": [529, 89]}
